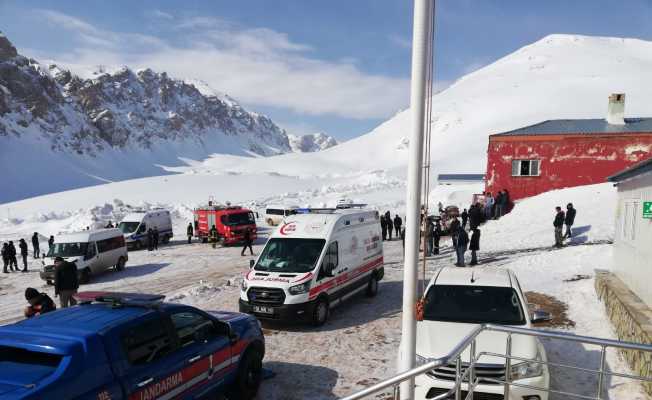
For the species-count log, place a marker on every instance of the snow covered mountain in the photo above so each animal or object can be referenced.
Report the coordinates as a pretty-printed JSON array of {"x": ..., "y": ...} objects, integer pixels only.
[
  {"x": 311, "y": 143},
  {"x": 116, "y": 125}
]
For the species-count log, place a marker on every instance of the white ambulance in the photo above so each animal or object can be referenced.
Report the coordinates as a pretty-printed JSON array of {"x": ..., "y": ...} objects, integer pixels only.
[{"x": 312, "y": 262}]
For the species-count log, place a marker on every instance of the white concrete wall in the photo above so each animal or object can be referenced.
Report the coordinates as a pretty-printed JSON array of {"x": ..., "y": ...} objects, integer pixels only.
[{"x": 633, "y": 238}]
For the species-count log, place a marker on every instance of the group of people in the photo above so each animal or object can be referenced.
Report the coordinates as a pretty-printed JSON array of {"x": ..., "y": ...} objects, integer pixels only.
[
  {"x": 564, "y": 218},
  {"x": 389, "y": 226},
  {"x": 213, "y": 238},
  {"x": 496, "y": 207},
  {"x": 66, "y": 284},
  {"x": 10, "y": 253}
]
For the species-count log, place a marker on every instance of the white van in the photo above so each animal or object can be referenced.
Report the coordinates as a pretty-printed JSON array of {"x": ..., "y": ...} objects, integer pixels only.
[
  {"x": 92, "y": 251},
  {"x": 134, "y": 226},
  {"x": 276, "y": 214},
  {"x": 313, "y": 262}
]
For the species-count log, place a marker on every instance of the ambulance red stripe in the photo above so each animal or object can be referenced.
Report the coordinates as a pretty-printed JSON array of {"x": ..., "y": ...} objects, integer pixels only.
[{"x": 345, "y": 277}]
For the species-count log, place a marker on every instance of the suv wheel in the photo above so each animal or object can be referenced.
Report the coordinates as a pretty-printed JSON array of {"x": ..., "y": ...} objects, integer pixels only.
[
  {"x": 372, "y": 286},
  {"x": 85, "y": 276},
  {"x": 121, "y": 264},
  {"x": 320, "y": 313},
  {"x": 248, "y": 378}
]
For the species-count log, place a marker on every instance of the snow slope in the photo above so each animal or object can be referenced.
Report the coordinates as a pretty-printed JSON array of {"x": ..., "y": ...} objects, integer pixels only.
[{"x": 559, "y": 76}]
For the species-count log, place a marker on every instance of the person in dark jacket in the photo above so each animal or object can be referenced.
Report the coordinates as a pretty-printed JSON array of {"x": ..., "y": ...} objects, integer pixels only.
[
  {"x": 474, "y": 246},
  {"x": 189, "y": 232},
  {"x": 436, "y": 236},
  {"x": 247, "y": 242},
  {"x": 429, "y": 237},
  {"x": 23, "y": 253},
  {"x": 390, "y": 227},
  {"x": 569, "y": 220},
  {"x": 36, "y": 245},
  {"x": 453, "y": 227},
  {"x": 212, "y": 235},
  {"x": 475, "y": 215},
  {"x": 13, "y": 261},
  {"x": 465, "y": 217},
  {"x": 66, "y": 282},
  {"x": 462, "y": 243},
  {"x": 39, "y": 303},
  {"x": 397, "y": 225},
  {"x": 155, "y": 238},
  {"x": 5, "y": 257},
  {"x": 383, "y": 226},
  {"x": 50, "y": 242},
  {"x": 558, "y": 223},
  {"x": 150, "y": 239}
]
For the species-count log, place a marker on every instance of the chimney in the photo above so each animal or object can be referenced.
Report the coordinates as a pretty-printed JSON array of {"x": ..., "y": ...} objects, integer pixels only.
[{"x": 616, "y": 110}]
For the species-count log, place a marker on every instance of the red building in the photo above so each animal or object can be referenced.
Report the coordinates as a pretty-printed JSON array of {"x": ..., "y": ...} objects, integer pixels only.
[{"x": 557, "y": 154}]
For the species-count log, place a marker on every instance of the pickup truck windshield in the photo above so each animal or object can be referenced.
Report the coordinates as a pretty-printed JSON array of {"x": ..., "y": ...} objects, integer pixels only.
[
  {"x": 128, "y": 227},
  {"x": 290, "y": 255},
  {"x": 68, "y": 250},
  {"x": 474, "y": 305},
  {"x": 26, "y": 367},
  {"x": 246, "y": 218}
]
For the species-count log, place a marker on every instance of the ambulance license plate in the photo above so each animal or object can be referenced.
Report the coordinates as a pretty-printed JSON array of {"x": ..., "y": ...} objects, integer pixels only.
[{"x": 263, "y": 310}]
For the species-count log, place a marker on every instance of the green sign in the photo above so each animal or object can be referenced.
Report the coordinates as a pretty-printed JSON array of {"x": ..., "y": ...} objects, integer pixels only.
[{"x": 647, "y": 209}]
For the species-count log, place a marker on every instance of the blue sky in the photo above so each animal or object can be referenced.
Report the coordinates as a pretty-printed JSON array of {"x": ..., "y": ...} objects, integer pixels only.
[{"x": 338, "y": 66}]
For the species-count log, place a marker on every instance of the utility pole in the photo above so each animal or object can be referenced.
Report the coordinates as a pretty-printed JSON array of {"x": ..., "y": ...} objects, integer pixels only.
[{"x": 423, "y": 13}]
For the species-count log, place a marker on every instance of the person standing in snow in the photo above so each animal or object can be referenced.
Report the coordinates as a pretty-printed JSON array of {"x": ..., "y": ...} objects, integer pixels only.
[
  {"x": 13, "y": 261},
  {"x": 23, "y": 253},
  {"x": 397, "y": 225},
  {"x": 429, "y": 236},
  {"x": 247, "y": 242},
  {"x": 390, "y": 226},
  {"x": 474, "y": 246},
  {"x": 66, "y": 282},
  {"x": 436, "y": 236},
  {"x": 452, "y": 228},
  {"x": 558, "y": 223},
  {"x": 150, "y": 239},
  {"x": 189, "y": 231},
  {"x": 5, "y": 257},
  {"x": 465, "y": 217},
  {"x": 212, "y": 234},
  {"x": 35, "y": 245},
  {"x": 475, "y": 216},
  {"x": 498, "y": 203},
  {"x": 569, "y": 220},
  {"x": 461, "y": 245},
  {"x": 488, "y": 206},
  {"x": 155, "y": 237},
  {"x": 50, "y": 242},
  {"x": 383, "y": 227}
]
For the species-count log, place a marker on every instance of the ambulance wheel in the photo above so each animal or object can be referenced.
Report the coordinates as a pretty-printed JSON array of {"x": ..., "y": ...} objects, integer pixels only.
[
  {"x": 248, "y": 378},
  {"x": 320, "y": 313},
  {"x": 372, "y": 286},
  {"x": 166, "y": 239}
]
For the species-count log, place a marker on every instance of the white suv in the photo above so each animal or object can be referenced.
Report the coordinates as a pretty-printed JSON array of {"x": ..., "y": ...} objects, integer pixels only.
[{"x": 457, "y": 301}]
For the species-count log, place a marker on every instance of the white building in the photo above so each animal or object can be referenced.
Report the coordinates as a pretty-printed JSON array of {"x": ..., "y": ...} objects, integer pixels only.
[{"x": 633, "y": 238}]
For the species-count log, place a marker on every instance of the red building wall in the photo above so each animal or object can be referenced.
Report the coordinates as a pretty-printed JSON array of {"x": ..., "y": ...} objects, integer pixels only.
[{"x": 565, "y": 160}]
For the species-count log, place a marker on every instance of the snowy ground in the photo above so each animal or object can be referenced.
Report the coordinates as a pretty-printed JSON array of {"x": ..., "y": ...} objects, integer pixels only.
[{"x": 359, "y": 344}]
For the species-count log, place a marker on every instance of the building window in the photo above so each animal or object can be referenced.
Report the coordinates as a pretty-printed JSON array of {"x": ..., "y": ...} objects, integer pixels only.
[{"x": 525, "y": 167}]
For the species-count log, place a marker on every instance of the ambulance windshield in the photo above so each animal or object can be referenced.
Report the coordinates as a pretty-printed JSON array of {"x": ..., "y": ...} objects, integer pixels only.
[{"x": 290, "y": 255}]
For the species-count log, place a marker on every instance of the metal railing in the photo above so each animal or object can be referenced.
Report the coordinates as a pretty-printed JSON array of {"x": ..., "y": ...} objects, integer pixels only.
[{"x": 469, "y": 377}]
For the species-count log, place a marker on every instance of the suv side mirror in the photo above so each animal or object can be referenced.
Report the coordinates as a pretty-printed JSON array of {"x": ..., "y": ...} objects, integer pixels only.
[
  {"x": 251, "y": 264},
  {"x": 540, "y": 316}
]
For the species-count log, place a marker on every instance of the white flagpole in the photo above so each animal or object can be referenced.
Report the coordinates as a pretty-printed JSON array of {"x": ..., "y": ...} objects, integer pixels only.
[{"x": 423, "y": 10}]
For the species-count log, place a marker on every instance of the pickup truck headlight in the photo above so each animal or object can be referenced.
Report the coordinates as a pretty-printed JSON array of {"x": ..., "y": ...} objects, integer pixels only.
[
  {"x": 526, "y": 370},
  {"x": 300, "y": 289}
]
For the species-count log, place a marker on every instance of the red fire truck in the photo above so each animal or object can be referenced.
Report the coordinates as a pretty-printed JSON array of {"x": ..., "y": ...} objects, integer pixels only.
[{"x": 230, "y": 221}]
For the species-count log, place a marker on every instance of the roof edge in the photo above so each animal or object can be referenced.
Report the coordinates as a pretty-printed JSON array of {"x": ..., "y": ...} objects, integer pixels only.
[{"x": 632, "y": 171}]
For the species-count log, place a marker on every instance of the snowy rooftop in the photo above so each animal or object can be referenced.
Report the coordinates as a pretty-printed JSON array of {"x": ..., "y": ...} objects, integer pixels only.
[{"x": 582, "y": 126}]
